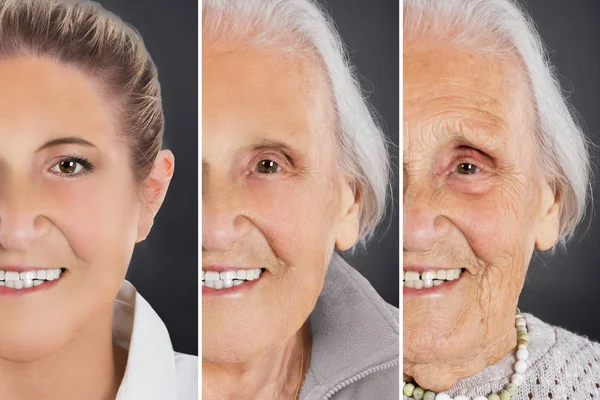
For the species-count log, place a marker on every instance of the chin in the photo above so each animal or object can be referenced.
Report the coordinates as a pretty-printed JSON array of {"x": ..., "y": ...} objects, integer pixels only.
[{"x": 20, "y": 348}]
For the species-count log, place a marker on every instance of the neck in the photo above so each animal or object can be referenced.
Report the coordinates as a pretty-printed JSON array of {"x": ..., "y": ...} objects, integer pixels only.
[
  {"x": 87, "y": 367},
  {"x": 441, "y": 376},
  {"x": 274, "y": 375}
]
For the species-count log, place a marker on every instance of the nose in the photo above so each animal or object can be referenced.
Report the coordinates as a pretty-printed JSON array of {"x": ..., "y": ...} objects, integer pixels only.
[
  {"x": 423, "y": 222},
  {"x": 21, "y": 223},
  {"x": 223, "y": 219}
]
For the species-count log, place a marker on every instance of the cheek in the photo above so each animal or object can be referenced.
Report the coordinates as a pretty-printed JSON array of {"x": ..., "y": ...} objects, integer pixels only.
[
  {"x": 95, "y": 214},
  {"x": 297, "y": 217},
  {"x": 497, "y": 224}
]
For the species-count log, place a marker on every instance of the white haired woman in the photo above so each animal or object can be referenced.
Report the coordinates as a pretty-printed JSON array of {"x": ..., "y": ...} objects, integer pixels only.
[
  {"x": 494, "y": 167},
  {"x": 294, "y": 165},
  {"x": 82, "y": 176}
]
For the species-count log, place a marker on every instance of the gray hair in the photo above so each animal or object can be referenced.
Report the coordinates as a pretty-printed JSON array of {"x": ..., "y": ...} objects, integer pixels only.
[
  {"x": 503, "y": 28},
  {"x": 302, "y": 28}
]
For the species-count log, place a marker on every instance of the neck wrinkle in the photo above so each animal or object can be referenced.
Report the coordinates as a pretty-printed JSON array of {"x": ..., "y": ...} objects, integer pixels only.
[{"x": 442, "y": 376}]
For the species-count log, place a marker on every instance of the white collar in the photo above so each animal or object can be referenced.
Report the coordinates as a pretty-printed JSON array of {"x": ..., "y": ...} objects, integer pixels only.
[{"x": 150, "y": 373}]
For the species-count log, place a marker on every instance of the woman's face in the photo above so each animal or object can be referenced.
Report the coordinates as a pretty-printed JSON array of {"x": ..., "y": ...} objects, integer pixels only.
[
  {"x": 474, "y": 199},
  {"x": 67, "y": 200},
  {"x": 272, "y": 197}
]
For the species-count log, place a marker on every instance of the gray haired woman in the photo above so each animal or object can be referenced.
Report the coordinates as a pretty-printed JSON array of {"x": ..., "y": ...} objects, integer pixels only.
[
  {"x": 494, "y": 167},
  {"x": 294, "y": 165}
]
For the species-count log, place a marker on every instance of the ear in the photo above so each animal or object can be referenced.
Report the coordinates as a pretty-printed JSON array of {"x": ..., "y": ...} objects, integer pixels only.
[
  {"x": 348, "y": 224},
  {"x": 155, "y": 190},
  {"x": 549, "y": 222}
]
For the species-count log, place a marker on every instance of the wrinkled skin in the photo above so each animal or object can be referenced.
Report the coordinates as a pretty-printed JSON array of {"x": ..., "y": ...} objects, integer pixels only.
[
  {"x": 462, "y": 107},
  {"x": 258, "y": 105}
]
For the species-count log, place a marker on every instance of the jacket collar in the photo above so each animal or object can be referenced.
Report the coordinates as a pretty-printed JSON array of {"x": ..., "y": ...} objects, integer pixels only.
[
  {"x": 150, "y": 373},
  {"x": 352, "y": 327}
]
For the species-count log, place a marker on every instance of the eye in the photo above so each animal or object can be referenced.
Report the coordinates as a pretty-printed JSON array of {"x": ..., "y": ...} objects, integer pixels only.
[
  {"x": 72, "y": 166},
  {"x": 267, "y": 167},
  {"x": 467, "y": 169}
]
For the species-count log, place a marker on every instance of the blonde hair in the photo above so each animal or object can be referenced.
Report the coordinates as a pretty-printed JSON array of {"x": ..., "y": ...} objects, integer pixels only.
[{"x": 104, "y": 48}]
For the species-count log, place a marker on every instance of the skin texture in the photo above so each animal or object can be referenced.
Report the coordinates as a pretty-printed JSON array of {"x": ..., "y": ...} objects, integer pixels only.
[
  {"x": 86, "y": 222},
  {"x": 258, "y": 105},
  {"x": 462, "y": 107}
]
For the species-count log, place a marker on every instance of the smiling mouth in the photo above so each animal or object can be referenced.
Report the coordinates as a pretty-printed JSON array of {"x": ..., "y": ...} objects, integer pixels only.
[
  {"x": 229, "y": 279},
  {"x": 429, "y": 279},
  {"x": 28, "y": 279}
]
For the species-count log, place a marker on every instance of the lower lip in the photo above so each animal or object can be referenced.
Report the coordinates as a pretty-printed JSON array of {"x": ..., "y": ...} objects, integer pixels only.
[
  {"x": 432, "y": 291},
  {"x": 235, "y": 290},
  {"x": 6, "y": 291}
]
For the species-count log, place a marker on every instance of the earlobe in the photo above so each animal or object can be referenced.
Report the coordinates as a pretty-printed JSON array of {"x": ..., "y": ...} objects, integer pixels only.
[
  {"x": 549, "y": 224},
  {"x": 155, "y": 190},
  {"x": 349, "y": 223}
]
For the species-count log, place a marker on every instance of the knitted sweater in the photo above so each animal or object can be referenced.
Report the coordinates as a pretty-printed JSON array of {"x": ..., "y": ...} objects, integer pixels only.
[{"x": 561, "y": 366}]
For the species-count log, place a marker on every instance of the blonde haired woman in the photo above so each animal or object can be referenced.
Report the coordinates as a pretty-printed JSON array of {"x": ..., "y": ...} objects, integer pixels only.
[{"x": 82, "y": 176}]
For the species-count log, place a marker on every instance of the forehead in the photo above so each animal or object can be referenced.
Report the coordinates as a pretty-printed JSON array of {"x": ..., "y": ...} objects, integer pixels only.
[
  {"x": 41, "y": 97},
  {"x": 260, "y": 91},
  {"x": 459, "y": 94}
]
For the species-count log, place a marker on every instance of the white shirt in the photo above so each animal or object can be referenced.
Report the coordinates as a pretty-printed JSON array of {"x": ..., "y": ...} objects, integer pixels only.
[{"x": 154, "y": 370}]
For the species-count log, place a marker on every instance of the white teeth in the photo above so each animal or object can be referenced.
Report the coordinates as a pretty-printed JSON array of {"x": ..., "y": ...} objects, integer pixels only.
[
  {"x": 427, "y": 275},
  {"x": 241, "y": 274},
  {"x": 411, "y": 276},
  {"x": 227, "y": 275},
  {"x": 429, "y": 279},
  {"x": 11, "y": 276},
  {"x": 228, "y": 279},
  {"x": 28, "y": 279},
  {"x": 211, "y": 276},
  {"x": 27, "y": 275}
]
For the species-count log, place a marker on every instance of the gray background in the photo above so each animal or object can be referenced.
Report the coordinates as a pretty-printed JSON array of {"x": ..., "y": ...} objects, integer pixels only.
[
  {"x": 164, "y": 268},
  {"x": 370, "y": 30},
  {"x": 564, "y": 289}
]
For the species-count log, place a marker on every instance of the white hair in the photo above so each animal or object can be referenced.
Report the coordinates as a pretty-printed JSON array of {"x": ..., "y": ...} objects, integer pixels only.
[
  {"x": 301, "y": 28},
  {"x": 502, "y": 28}
]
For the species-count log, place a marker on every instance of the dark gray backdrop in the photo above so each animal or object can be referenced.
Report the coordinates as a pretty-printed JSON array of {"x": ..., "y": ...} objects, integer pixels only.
[
  {"x": 564, "y": 289},
  {"x": 370, "y": 30},
  {"x": 164, "y": 268}
]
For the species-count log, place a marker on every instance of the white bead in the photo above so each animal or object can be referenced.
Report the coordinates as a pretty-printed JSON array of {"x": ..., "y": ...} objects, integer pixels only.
[
  {"x": 522, "y": 346},
  {"x": 461, "y": 398},
  {"x": 520, "y": 322},
  {"x": 520, "y": 367},
  {"x": 522, "y": 354},
  {"x": 517, "y": 379},
  {"x": 443, "y": 396},
  {"x": 480, "y": 398}
]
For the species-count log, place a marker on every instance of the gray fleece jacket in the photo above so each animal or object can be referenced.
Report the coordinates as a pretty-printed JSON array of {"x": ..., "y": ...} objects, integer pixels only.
[{"x": 355, "y": 341}]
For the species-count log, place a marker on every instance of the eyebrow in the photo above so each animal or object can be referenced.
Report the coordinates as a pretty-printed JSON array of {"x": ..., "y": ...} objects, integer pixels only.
[{"x": 66, "y": 140}]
